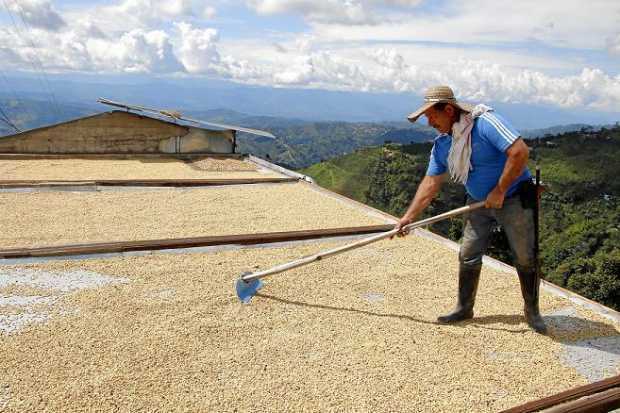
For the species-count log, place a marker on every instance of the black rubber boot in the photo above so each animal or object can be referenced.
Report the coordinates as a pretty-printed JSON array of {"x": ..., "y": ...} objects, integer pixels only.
[
  {"x": 530, "y": 284},
  {"x": 468, "y": 285}
]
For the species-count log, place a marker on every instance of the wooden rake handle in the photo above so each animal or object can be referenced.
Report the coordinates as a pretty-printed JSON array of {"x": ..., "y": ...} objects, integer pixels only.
[{"x": 320, "y": 255}]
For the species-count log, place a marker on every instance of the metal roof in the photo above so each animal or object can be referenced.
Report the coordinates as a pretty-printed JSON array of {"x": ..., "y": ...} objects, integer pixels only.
[
  {"x": 169, "y": 117},
  {"x": 177, "y": 117}
]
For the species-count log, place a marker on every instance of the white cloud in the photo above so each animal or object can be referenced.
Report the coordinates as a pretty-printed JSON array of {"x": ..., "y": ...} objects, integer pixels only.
[
  {"x": 280, "y": 48},
  {"x": 54, "y": 50},
  {"x": 404, "y": 3},
  {"x": 153, "y": 36},
  {"x": 558, "y": 23},
  {"x": 7, "y": 55},
  {"x": 197, "y": 48},
  {"x": 326, "y": 11},
  {"x": 347, "y": 12},
  {"x": 197, "y": 51},
  {"x": 613, "y": 45},
  {"x": 87, "y": 29},
  {"x": 37, "y": 13},
  {"x": 171, "y": 7},
  {"x": 321, "y": 69},
  {"x": 481, "y": 81},
  {"x": 208, "y": 13},
  {"x": 385, "y": 70},
  {"x": 244, "y": 71},
  {"x": 302, "y": 44},
  {"x": 137, "y": 51},
  {"x": 155, "y": 10},
  {"x": 126, "y": 15}
]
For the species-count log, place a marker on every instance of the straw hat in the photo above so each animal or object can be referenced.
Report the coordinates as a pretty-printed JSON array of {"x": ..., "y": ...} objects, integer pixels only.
[{"x": 438, "y": 94}]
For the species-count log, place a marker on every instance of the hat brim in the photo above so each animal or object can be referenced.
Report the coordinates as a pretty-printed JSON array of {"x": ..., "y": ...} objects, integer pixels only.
[{"x": 415, "y": 115}]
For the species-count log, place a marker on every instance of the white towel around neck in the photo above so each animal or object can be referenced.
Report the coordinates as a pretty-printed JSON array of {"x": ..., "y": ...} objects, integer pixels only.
[{"x": 459, "y": 158}]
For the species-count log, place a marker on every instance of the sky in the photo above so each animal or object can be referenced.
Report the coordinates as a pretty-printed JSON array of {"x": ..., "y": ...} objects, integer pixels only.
[{"x": 564, "y": 54}]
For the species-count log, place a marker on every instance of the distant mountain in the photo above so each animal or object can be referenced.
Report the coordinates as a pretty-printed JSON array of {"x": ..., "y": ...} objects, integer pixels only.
[
  {"x": 200, "y": 94},
  {"x": 556, "y": 130},
  {"x": 242, "y": 119},
  {"x": 32, "y": 113},
  {"x": 408, "y": 135},
  {"x": 300, "y": 142},
  {"x": 303, "y": 144}
]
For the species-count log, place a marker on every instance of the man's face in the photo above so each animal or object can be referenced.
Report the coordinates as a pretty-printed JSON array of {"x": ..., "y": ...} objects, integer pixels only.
[{"x": 441, "y": 120}]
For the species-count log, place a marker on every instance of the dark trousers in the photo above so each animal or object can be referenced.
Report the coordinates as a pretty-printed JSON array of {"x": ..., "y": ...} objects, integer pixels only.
[{"x": 518, "y": 224}]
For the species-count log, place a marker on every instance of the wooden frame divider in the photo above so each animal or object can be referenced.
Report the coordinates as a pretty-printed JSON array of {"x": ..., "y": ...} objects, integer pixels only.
[
  {"x": 574, "y": 394},
  {"x": 175, "y": 243},
  {"x": 10, "y": 184}
]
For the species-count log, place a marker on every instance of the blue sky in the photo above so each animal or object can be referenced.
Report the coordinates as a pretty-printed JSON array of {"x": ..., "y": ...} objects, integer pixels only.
[{"x": 556, "y": 53}]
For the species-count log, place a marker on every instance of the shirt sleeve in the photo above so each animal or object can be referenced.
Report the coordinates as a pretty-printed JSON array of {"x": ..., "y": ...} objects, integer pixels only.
[
  {"x": 498, "y": 131},
  {"x": 437, "y": 163}
]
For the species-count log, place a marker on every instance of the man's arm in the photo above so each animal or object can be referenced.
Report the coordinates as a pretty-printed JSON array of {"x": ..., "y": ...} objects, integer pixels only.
[
  {"x": 428, "y": 189},
  {"x": 518, "y": 155}
]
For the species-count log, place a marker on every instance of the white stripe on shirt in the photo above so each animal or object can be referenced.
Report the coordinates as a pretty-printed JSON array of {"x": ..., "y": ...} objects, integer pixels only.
[
  {"x": 504, "y": 127},
  {"x": 500, "y": 128},
  {"x": 507, "y": 134}
]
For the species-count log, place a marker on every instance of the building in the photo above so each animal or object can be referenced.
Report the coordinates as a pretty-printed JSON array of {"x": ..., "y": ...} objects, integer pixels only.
[
  {"x": 119, "y": 132},
  {"x": 117, "y": 267}
]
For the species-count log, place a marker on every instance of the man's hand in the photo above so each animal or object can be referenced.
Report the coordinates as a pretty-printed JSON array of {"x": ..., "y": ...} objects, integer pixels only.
[
  {"x": 423, "y": 196},
  {"x": 495, "y": 199},
  {"x": 404, "y": 221},
  {"x": 518, "y": 154}
]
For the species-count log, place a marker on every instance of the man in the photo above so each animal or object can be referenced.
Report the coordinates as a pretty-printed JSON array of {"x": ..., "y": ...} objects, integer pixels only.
[{"x": 480, "y": 149}]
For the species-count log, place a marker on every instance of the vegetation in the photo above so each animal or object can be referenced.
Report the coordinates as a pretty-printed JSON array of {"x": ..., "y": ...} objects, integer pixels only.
[
  {"x": 305, "y": 143},
  {"x": 348, "y": 174},
  {"x": 580, "y": 222}
]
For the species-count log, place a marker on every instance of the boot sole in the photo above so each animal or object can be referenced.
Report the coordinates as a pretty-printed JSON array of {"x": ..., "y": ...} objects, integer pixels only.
[{"x": 454, "y": 319}]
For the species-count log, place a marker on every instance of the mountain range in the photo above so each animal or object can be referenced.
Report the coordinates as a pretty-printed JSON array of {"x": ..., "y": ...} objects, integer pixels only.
[
  {"x": 300, "y": 142},
  {"x": 202, "y": 94}
]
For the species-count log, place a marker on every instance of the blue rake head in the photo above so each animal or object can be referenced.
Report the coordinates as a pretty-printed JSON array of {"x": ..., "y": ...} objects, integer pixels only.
[{"x": 247, "y": 289}]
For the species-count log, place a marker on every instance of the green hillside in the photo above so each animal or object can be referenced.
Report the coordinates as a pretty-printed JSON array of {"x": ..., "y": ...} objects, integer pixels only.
[
  {"x": 303, "y": 144},
  {"x": 580, "y": 224},
  {"x": 348, "y": 174}
]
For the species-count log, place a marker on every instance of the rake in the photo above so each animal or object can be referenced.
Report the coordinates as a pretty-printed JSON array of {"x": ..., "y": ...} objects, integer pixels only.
[{"x": 248, "y": 284}]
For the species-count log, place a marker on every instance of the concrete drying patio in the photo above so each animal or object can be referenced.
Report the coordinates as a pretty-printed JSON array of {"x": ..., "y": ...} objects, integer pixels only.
[
  {"x": 129, "y": 167},
  {"x": 36, "y": 219},
  {"x": 353, "y": 333}
]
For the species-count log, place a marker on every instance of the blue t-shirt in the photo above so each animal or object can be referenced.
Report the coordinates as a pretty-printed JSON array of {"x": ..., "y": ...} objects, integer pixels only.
[{"x": 491, "y": 136}]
